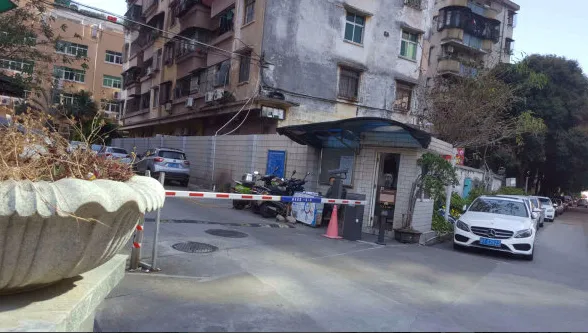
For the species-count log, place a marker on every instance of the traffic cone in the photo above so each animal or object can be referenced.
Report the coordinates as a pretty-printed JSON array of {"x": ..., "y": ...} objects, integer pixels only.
[{"x": 333, "y": 228}]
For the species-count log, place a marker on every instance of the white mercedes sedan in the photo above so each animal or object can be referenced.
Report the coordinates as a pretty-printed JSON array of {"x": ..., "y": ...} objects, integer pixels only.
[{"x": 497, "y": 223}]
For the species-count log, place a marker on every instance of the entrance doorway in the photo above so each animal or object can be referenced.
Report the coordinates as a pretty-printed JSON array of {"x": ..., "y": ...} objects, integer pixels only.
[{"x": 387, "y": 182}]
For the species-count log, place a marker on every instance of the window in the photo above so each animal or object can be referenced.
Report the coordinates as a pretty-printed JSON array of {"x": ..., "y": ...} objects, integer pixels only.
[
  {"x": 354, "y": 28},
  {"x": 223, "y": 71},
  {"x": 73, "y": 49},
  {"x": 63, "y": 99},
  {"x": 69, "y": 74},
  {"x": 348, "y": 83},
  {"x": 225, "y": 23},
  {"x": 403, "y": 99},
  {"x": 409, "y": 45},
  {"x": 110, "y": 106},
  {"x": 249, "y": 11},
  {"x": 165, "y": 91},
  {"x": 175, "y": 10},
  {"x": 512, "y": 19},
  {"x": 112, "y": 81},
  {"x": 113, "y": 57},
  {"x": 182, "y": 87},
  {"x": 336, "y": 159},
  {"x": 145, "y": 99},
  {"x": 168, "y": 53},
  {"x": 17, "y": 65},
  {"x": 155, "y": 97},
  {"x": 472, "y": 41},
  {"x": 244, "y": 65},
  {"x": 509, "y": 46},
  {"x": 195, "y": 83}
]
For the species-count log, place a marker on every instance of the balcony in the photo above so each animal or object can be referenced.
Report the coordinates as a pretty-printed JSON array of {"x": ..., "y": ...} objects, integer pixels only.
[
  {"x": 465, "y": 19},
  {"x": 149, "y": 7},
  {"x": 134, "y": 13},
  {"x": 186, "y": 5},
  {"x": 485, "y": 11},
  {"x": 459, "y": 38},
  {"x": 225, "y": 23},
  {"x": 131, "y": 76},
  {"x": 452, "y": 66}
]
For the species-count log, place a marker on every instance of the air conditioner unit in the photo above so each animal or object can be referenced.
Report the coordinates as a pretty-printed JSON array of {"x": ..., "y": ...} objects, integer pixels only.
[
  {"x": 209, "y": 97},
  {"x": 116, "y": 95},
  {"x": 218, "y": 94},
  {"x": 149, "y": 70},
  {"x": 4, "y": 100},
  {"x": 168, "y": 107},
  {"x": 95, "y": 29},
  {"x": 190, "y": 102}
]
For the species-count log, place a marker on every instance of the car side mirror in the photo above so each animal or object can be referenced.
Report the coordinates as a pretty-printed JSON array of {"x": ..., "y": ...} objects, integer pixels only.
[{"x": 535, "y": 215}]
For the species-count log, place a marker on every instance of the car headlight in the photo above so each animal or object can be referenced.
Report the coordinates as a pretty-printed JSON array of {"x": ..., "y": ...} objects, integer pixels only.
[
  {"x": 524, "y": 233},
  {"x": 461, "y": 225}
]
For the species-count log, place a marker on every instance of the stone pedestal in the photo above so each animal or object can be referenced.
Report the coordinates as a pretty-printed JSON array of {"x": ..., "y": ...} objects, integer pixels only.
[{"x": 67, "y": 306}]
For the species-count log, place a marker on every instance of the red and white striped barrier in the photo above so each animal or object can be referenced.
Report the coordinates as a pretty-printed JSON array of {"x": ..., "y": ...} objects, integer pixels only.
[{"x": 257, "y": 197}]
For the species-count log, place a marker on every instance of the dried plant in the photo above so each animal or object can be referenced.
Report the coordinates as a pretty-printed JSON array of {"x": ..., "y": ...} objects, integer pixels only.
[{"x": 30, "y": 149}]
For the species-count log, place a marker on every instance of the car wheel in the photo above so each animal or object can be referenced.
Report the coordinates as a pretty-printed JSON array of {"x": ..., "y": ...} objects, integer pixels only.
[{"x": 529, "y": 257}]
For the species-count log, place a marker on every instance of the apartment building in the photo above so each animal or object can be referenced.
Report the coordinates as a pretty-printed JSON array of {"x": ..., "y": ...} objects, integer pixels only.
[
  {"x": 95, "y": 45},
  {"x": 288, "y": 62},
  {"x": 471, "y": 34}
]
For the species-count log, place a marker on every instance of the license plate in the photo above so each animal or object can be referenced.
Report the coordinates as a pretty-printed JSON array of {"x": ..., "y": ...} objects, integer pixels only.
[
  {"x": 173, "y": 165},
  {"x": 490, "y": 242}
]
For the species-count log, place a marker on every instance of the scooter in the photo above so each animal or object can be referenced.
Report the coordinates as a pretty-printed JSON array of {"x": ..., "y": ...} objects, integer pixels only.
[
  {"x": 245, "y": 186},
  {"x": 285, "y": 188}
]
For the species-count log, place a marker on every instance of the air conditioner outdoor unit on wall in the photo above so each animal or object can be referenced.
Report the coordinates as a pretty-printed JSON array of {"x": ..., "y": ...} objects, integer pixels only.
[
  {"x": 209, "y": 97},
  {"x": 218, "y": 94},
  {"x": 4, "y": 100},
  {"x": 149, "y": 70},
  {"x": 190, "y": 102}
]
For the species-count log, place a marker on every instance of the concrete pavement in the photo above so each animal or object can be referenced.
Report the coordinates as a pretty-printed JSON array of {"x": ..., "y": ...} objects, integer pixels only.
[{"x": 293, "y": 279}]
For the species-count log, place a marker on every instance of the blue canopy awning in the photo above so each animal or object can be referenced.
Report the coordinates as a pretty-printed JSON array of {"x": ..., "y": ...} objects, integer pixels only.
[{"x": 350, "y": 132}]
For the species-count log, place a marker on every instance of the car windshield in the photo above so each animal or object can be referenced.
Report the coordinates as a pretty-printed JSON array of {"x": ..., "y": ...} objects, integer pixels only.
[
  {"x": 545, "y": 201},
  {"x": 172, "y": 155},
  {"x": 499, "y": 206},
  {"x": 118, "y": 151}
]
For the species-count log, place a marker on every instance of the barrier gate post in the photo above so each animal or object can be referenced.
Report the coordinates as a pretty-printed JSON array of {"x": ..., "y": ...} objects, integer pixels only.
[
  {"x": 156, "y": 230},
  {"x": 138, "y": 239}
]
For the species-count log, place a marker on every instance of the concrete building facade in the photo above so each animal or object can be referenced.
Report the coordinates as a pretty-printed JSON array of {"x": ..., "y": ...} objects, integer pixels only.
[
  {"x": 469, "y": 35},
  {"x": 288, "y": 62}
]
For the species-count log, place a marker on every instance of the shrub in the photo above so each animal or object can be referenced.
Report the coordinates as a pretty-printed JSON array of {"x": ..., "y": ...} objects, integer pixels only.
[{"x": 440, "y": 225}]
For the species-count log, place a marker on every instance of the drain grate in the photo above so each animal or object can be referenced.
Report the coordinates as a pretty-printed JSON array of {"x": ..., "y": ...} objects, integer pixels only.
[
  {"x": 226, "y": 233},
  {"x": 195, "y": 247}
]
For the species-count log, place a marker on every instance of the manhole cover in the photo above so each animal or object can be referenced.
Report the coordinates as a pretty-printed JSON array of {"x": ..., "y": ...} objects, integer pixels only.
[
  {"x": 226, "y": 233},
  {"x": 194, "y": 247}
]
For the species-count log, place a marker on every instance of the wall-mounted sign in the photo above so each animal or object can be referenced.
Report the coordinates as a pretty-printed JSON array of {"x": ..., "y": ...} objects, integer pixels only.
[{"x": 274, "y": 113}]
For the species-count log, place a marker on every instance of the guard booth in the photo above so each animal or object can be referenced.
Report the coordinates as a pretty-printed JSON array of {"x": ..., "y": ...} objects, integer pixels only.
[{"x": 380, "y": 156}]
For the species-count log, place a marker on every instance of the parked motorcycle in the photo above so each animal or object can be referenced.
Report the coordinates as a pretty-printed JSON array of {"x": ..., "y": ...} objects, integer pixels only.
[
  {"x": 279, "y": 187},
  {"x": 245, "y": 186}
]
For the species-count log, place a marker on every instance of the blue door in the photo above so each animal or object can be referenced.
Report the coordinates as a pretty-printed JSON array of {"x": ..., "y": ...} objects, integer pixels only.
[
  {"x": 467, "y": 187},
  {"x": 276, "y": 162}
]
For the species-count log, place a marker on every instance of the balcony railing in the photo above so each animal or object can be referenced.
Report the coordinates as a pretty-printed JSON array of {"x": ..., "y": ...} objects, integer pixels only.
[{"x": 416, "y": 4}]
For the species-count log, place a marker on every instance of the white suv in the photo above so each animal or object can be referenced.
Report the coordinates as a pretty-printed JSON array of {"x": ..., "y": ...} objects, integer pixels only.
[{"x": 497, "y": 223}]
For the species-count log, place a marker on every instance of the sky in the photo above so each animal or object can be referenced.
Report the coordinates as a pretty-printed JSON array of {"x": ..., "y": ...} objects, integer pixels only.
[{"x": 543, "y": 26}]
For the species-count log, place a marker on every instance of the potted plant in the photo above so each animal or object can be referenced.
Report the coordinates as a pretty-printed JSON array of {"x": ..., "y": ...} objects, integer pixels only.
[
  {"x": 436, "y": 173},
  {"x": 63, "y": 211}
]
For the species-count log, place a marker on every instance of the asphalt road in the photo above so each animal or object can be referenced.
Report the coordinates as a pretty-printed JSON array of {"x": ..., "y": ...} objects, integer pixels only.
[{"x": 292, "y": 279}]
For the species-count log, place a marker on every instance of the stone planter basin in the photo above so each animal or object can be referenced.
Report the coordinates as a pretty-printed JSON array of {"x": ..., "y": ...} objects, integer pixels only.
[{"x": 50, "y": 231}]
